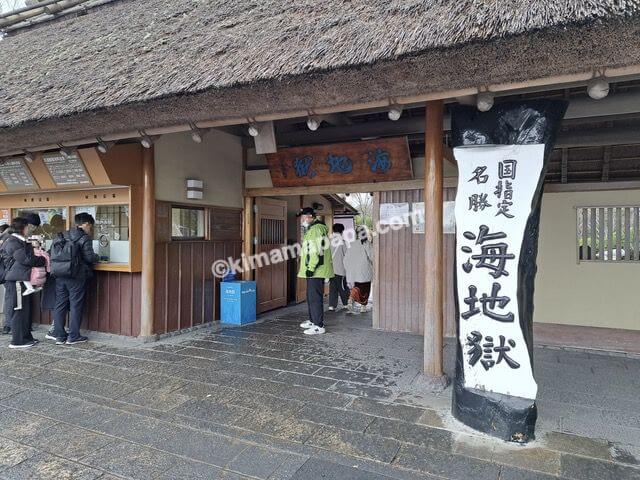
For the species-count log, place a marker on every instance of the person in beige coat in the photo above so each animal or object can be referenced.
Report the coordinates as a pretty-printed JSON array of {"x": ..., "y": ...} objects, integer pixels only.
[{"x": 358, "y": 264}]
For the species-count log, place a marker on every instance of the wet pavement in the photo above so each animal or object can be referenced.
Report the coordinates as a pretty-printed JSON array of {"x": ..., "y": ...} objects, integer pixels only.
[{"x": 266, "y": 402}]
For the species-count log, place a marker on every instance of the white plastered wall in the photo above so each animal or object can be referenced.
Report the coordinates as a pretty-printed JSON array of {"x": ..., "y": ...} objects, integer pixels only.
[
  {"x": 217, "y": 161},
  {"x": 589, "y": 293}
]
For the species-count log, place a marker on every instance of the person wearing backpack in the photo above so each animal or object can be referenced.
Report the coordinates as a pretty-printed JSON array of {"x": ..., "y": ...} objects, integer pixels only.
[
  {"x": 72, "y": 260},
  {"x": 18, "y": 260}
]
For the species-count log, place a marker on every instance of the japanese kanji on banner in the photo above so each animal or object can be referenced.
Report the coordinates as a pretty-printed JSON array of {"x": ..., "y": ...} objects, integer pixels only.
[{"x": 496, "y": 187}]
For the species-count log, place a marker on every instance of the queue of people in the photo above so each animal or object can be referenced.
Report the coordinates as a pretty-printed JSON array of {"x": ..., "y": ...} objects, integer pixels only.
[
  {"x": 347, "y": 266},
  {"x": 25, "y": 268}
]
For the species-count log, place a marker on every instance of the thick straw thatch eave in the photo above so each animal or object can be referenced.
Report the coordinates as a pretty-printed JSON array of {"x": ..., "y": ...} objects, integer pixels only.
[{"x": 154, "y": 62}]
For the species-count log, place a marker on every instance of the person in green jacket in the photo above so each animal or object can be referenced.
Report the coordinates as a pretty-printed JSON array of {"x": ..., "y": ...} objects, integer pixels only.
[{"x": 316, "y": 266}]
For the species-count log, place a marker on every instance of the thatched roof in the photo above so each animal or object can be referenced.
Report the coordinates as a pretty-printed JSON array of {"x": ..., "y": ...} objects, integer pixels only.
[{"x": 220, "y": 54}]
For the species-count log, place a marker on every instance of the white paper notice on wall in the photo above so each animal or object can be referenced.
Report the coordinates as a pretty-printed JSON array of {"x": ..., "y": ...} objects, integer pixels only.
[
  {"x": 496, "y": 186},
  {"x": 449, "y": 217},
  {"x": 394, "y": 213},
  {"x": 417, "y": 217}
]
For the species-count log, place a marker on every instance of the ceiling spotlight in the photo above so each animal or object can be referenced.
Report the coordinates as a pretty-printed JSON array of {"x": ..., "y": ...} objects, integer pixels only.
[
  {"x": 598, "y": 88},
  {"x": 29, "y": 157},
  {"x": 196, "y": 134},
  {"x": 395, "y": 112},
  {"x": 484, "y": 101},
  {"x": 66, "y": 152},
  {"x": 103, "y": 147},
  {"x": 145, "y": 140},
  {"x": 313, "y": 123},
  {"x": 253, "y": 130}
]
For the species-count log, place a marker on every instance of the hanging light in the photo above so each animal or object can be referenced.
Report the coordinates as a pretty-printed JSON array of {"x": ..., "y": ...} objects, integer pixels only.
[
  {"x": 102, "y": 147},
  {"x": 313, "y": 123},
  {"x": 484, "y": 101},
  {"x": 29, "y": 156},
  {"x": 145, "y": 140},
  {"x": 253, "y": 130},
  {"x": 196, "y": 134},
  {"x": 395, "y": 112},
  {"x": 598, "y": 88}
]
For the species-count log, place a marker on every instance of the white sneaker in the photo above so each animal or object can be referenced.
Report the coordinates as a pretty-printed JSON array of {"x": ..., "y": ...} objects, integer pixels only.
[
  {"x": 29, "y": 291},
  {"x": 314, "y": 331},
  {"x": 332, "y": 309},
  {"x": 28, "y": 345},
  {"x": 307, "y": 324}
]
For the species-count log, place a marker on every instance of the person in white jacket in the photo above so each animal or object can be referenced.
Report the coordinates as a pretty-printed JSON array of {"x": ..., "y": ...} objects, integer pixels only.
[
  {"x": 338, "y": 284},
  {"x": 358, "y": 263}
]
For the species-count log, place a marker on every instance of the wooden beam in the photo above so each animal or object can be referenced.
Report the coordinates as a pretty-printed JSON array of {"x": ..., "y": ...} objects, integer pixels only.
[
  {"x": 565, "y": 165},
  {"x": 591, "y": 186},
  {"x": 147, "y": 288},
  {"x": 247, "y": 234},
  {"x": 447, "y": 154},
  {"x": 606, "y": 163},
  {"x": 434, "y": 252},
  {"x": 415, "y": 184}
]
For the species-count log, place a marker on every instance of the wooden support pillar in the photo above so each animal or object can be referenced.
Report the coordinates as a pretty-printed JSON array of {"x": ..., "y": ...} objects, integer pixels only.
[
  {"x": 247, "y": 235},
  {"x": 434, "y": 254},
  {"x": 147, "y": 289}
]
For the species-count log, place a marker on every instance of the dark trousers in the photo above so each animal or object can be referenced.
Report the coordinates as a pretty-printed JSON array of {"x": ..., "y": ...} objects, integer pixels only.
[
  {"x": 20, "y": 319},
  {"x": 7, "y": 313},
  {"x": 70, "y": 295},
  {"x": 315, "y": 300},
  {"x": 338, "y": 288}
]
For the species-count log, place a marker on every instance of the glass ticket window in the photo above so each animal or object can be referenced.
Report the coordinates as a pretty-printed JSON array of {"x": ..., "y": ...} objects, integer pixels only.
[
  {"x": 52, "y": 221},
  {"x": 187, "y": 223},
  {"x": 110, "y": 232}
]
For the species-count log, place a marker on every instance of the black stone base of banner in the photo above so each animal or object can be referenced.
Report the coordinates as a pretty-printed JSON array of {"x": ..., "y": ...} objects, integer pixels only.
[{"x": 512, "y": 419}]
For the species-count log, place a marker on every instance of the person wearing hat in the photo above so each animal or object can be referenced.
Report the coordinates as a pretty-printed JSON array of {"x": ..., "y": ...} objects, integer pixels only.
[
  {"x": 33, "y": 222},
  {"x": 316, "y": 266}
]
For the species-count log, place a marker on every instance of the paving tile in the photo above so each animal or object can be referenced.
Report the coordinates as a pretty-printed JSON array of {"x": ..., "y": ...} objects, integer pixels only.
[
  {"x": 68, "y": 441},
  {"x": 258, "y": 462},
  {"x": 198, "y": 471},
  {"x": 346, "y": 375},
  {"x": 291, "y": 428},
  {"x": 529, "y": 458},
  {"x": 289, "y": 467},
  {"x": 388, "y": 410},
  {"x": 21, "y": 426},
  {"x": 48, "y": 467},
  {"x": 430, "y": 418},
  {"x": 449, "y": 465},
  {"x": 434, "y": 438},
  {"x": 512, "y": 473},
  {"x": 211, "y": 411},
  {"x": 305, "y": 380},
  {"x": 576, "y": 444},
  {"x": 316, "y": 468},
  {"x": 42, "y": 402},
  {"x": 319, "y": 397},
  {"x": 130, "y": 460},
  {"x": 334, "y": 417},
  {"x": 580, "y": 468},
  {"x": 370, "y": 391},
  {"x": 276, "y": 404},
  {"x": 355, "y": 444},
  {"x": 9, "y": 389},
  {"x": 153, "y": 399},
  {"x": 12, "y": 453}
]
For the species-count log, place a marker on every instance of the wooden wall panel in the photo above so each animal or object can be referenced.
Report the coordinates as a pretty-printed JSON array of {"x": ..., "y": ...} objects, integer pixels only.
[
  {"x": 186, "y": 290},
  {"x": 113, "y": 304},
  {"x": 401, "y": 273}
]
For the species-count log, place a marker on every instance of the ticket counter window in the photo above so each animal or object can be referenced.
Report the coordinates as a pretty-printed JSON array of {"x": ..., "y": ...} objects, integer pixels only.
[
  {"x": 187, "y": 223},
  {"x": 110, "y": 232},
  {"x": 52, "y": 221}
]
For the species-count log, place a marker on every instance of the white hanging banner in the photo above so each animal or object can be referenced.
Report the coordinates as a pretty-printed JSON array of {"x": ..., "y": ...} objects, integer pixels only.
[{"x": 496, "y": 187}]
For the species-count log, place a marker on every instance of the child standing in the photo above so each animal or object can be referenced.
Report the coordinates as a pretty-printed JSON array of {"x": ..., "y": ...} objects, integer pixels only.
[{"x": 38, "y": 274}]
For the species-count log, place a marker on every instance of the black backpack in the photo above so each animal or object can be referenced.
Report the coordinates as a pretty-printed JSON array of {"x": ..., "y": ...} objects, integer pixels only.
[
  {"x": 66, "y": 260},
  {"x": 6, "y": 262}
]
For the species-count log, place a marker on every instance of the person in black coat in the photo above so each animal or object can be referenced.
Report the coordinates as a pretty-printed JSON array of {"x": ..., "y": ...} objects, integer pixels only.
[
  {"x": 19, "y": 260},
  {"x": 71, "y": 291}
]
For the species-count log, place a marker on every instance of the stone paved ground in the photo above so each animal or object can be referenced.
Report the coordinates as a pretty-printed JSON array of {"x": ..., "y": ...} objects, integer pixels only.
[{"x": 266, "y": 402}]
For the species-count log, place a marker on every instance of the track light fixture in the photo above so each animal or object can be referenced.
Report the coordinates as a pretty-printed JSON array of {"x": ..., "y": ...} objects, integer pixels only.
[
  {"x": 196, "y": 133},
  {"x": 253, "y": 129},
  {"x": 395, "y": 112},
  {"x": 145, "y": 140},
  {"x": 598, "y": 88},
  {"x": 29, "y": 156},
  {"x": 313, "y": 123},
  {"x": 102, "y": 147},
  {"x": 66, "y": 152},
  {"x": 484, "y": 101}
]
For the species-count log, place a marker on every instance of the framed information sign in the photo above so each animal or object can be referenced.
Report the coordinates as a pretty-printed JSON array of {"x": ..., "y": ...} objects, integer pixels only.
[
  {"x": 67, "y": 170},
  {"x": 16, "y": 176}
]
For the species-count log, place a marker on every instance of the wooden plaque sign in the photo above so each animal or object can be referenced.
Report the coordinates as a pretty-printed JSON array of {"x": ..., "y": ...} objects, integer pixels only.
[{"x": 368, "y": 161}]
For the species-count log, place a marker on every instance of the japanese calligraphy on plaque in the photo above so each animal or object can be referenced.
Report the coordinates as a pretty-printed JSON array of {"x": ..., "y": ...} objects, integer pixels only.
[
  {"x": 496, "y": 189},
  {"x": 382, "y": 160},
  {"x": 66, "y": 170},
  {"x": 16, "y": 176}
]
